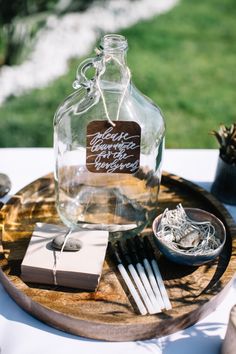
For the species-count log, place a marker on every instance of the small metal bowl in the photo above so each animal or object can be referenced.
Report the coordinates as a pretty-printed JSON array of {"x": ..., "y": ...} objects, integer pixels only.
[{"x": 181, "y": 257}]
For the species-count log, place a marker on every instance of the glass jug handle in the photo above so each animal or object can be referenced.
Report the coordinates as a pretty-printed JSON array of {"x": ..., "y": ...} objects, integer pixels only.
[{"x": 81, "y": 79}]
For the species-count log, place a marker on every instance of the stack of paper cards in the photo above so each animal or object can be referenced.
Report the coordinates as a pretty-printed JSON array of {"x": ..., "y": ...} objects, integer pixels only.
[{"x": 81, "y": 269}]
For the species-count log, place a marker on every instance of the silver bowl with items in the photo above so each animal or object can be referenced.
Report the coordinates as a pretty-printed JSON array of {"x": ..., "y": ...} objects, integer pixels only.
[{"x": 189, "y": 236}]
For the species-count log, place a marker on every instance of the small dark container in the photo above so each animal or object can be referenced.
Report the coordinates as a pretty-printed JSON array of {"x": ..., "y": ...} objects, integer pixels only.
[
  {"x": 224, "y": 185},
  {"x": 5, "y": 184},
  {"x": 179, "y": 256}
]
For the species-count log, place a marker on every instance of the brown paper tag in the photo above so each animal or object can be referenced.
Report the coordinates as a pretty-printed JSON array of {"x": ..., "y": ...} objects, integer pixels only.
[{"x": 113, "y": 149}]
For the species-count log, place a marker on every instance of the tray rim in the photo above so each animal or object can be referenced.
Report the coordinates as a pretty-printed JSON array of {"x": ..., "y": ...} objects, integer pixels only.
[{"x": 127, "y": 331}]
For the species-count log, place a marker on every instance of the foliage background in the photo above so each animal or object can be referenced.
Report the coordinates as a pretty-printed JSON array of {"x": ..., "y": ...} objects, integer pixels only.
[{"x": 183, "y": 60}]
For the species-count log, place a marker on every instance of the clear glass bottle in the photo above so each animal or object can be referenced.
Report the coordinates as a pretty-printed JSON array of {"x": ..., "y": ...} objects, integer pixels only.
[{"x": 108, "y": 141}]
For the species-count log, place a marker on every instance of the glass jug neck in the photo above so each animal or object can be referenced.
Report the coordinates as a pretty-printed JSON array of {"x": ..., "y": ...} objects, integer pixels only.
[
  {"x": 114, "y": 47},
  {"x": 115, "y": 73}
]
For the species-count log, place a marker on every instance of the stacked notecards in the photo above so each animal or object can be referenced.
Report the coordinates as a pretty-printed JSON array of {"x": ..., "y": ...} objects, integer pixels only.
[{"x": 81, "y": 269}]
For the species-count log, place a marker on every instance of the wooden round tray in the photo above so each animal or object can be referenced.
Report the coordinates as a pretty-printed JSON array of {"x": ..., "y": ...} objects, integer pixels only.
[{"x": 109, "y": 313}]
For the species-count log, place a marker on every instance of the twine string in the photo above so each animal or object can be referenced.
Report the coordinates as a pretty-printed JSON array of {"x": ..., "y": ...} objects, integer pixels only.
[
  {"x": 111, "y": 57},
  {"x": 175, "y": 225},
  {"x": 57, "y": 256}
]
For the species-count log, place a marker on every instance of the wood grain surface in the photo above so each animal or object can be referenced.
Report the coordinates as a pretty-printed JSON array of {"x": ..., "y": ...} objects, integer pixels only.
[{"x": 109, "y": 313}]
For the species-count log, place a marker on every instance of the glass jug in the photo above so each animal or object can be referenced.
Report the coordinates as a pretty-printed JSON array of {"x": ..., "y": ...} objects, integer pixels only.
[{"x": 108, "y": 141}]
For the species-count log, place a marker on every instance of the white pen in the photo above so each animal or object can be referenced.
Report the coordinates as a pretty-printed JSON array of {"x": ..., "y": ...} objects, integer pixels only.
[
  {"x": 135, "y": 276},
  {"x": 153, "y": 282},
  {"x": 127, "y": 280},
  {"x": 148, "y": 288},
  {"x": 143, "y": 276},
  {"x": 145, "y": 297},
  {"x": 132, "y": 289},
  {"x": 151, "y": 277},
  {"x": 157, "y": 273},
  {"x": 160, "y": 282}
]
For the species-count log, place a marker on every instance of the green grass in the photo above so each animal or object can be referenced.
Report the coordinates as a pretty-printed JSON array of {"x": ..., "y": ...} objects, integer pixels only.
[{"x": 184, "y": 60}]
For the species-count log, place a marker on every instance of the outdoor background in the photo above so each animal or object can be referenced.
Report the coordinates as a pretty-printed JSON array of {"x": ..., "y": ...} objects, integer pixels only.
[{"x": 184, "y": 60}]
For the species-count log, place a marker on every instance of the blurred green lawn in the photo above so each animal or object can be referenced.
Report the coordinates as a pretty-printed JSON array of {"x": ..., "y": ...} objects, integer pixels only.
[{"x": 185, "y": 61}]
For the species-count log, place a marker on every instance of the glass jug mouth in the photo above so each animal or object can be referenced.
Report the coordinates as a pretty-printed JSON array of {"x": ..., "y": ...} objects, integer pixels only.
[{"x": 112, "y": 43}]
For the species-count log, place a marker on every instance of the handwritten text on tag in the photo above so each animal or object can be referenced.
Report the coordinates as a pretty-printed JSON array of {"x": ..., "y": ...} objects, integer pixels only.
[{"x": 113, "y": 149}]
